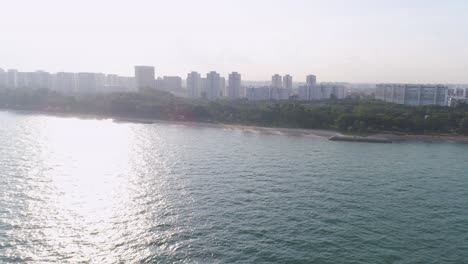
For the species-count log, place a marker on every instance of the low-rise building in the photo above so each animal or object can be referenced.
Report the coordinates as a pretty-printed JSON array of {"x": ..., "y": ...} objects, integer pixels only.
[
  {"x": 258, "y": 93},
  {"x": 279, "y": 94}
]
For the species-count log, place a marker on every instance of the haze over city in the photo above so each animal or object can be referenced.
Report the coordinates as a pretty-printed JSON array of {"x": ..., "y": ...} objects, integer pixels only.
[
  {"x": 233, "y": 131},
  {"x": 352, "y": 41}
]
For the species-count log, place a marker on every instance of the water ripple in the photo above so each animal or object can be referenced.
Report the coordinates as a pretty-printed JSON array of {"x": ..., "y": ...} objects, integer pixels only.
[{"x": 89, "y": 191}]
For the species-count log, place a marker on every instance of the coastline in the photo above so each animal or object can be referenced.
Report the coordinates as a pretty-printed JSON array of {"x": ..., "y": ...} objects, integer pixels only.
[
  {"x": 423, "y": 138},
  {"x": 322, "y": 133}
]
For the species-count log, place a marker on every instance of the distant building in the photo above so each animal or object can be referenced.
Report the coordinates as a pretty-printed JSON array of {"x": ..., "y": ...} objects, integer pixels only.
[
  {"x": 40, "y": 80},
  {"x": 234, "y": 86},
  {"x": 159, "y": 83},
  {"x": 310, "y": 90},
  {"x": 172, "y": 83},
  {"x": 276, "y": 81},
  {"x": 213, "y": 86},
  {"x": 100, "y": 81},
  {"x": 194, "y": 85},
  {"x": 279, "y": 93},
  {"x": 258, "y": 94},
  {"x": 144, "y": 77},
  {"x": 3, "y": 78},
  {"x": 65, "y": 82},
  {"x": 12, "y": 78},
  {"x": 413, "y": 94},
  {"x": 112, "y": 79},
  {"x": 87, "y": 82},
  {"x": 128, "y": 82},
  {"x": 287, "y": 82},
  {"x": 24, "y": 79},
  {"x": 222, "y": 86},
  {"x": 203, "y": 82},
  {"x": 303, "y": 93},
  {"x": 322, "y": 91},
  {"x": 311, "y": 80},
  {"x": 330, "y": 91},
  {"x": 458, "y": 92}
]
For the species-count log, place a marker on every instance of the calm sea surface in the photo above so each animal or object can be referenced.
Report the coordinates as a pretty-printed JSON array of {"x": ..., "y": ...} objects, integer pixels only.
[{"x": 95, "y": 191}]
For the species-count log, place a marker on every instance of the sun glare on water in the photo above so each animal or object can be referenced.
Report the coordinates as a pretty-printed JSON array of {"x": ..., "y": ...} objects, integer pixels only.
[{"x": 84, "y": 167}]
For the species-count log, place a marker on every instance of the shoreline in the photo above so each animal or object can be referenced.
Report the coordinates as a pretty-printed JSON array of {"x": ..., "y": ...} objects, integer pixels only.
[{"x": 322, "y": 133}]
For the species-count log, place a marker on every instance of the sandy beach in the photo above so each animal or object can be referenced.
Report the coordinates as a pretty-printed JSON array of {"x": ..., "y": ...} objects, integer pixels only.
[{"x": 258, "y": 129}]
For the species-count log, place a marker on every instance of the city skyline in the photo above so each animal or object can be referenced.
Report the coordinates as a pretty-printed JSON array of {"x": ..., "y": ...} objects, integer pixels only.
[{"x": 345, "y": 41}]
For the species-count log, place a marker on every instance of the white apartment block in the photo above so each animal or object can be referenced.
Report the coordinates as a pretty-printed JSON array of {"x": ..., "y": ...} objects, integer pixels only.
[
  {"x": 214, "y": 86},
  {"x": 413, "y": 94},
  {"x": 194, "y": 85},
  {"x": 277, "y": 81},
  {"x": 258, "y": 94},
  {"x": 144, "y": 77},
  {"x": 234, "y": 86},
  {"x": 3, "y": 78},
  {"x": 65, "y": 82},
  {"x": 287, "y": 82}
]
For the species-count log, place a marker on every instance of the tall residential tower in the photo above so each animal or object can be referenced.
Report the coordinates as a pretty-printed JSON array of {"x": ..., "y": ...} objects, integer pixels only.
[
  {"x": 276, "y": 81},
  {"x": 234, "y": 85},
  {"x": 194, "y": 85},
  {"x": 144, "y": 77},
  {"x": 287, "y": 82}
]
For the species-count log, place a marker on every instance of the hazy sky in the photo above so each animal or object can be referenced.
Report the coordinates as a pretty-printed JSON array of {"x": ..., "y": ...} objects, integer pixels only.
[{"x": 347, "y": 40}]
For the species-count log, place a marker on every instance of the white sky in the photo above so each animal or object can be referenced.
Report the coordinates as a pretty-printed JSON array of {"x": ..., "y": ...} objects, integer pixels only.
[{"x": 338, "y": 40}]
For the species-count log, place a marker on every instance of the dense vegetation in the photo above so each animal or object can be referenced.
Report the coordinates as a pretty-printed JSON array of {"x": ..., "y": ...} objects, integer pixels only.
[{"x": 353, "y": 115}]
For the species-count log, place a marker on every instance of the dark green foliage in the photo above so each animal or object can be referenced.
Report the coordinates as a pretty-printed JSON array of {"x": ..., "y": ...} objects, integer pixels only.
[
  {"x": 463, "y": 125},
  {"x": 352, "y": 115}
]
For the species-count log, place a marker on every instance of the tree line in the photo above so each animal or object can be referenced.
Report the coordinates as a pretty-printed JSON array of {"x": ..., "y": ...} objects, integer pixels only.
[{"x": 349, "y": 115}]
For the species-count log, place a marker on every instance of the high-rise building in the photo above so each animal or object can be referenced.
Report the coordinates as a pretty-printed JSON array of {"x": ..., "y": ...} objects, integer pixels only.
[
  {"x": 3, "y": 78},
  {"x": 194, "y": 85},
  {"x": 144, "y": 77},
  {"x": 100, "y": 80},
  {"x": 287, "y": 82},
  {"x": 24, "y": 79},
  {"x": 310, "y": 90},
  {"x": 12, "y": 78},
  {"x": 40, "y": 80},
  {"x": 413, "y": 94},
  {"x": 276, "y": 81},
  {"x": 311, "y": 80},
  {"x": 87, "y": 82},
  {"x": 213, "y": 86},
  {"x": 234, "y": 85},
  {"x": 65, "y": 82},
  {"x": 222, "y": 86},
  {"x": 203, "y": 85}
]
